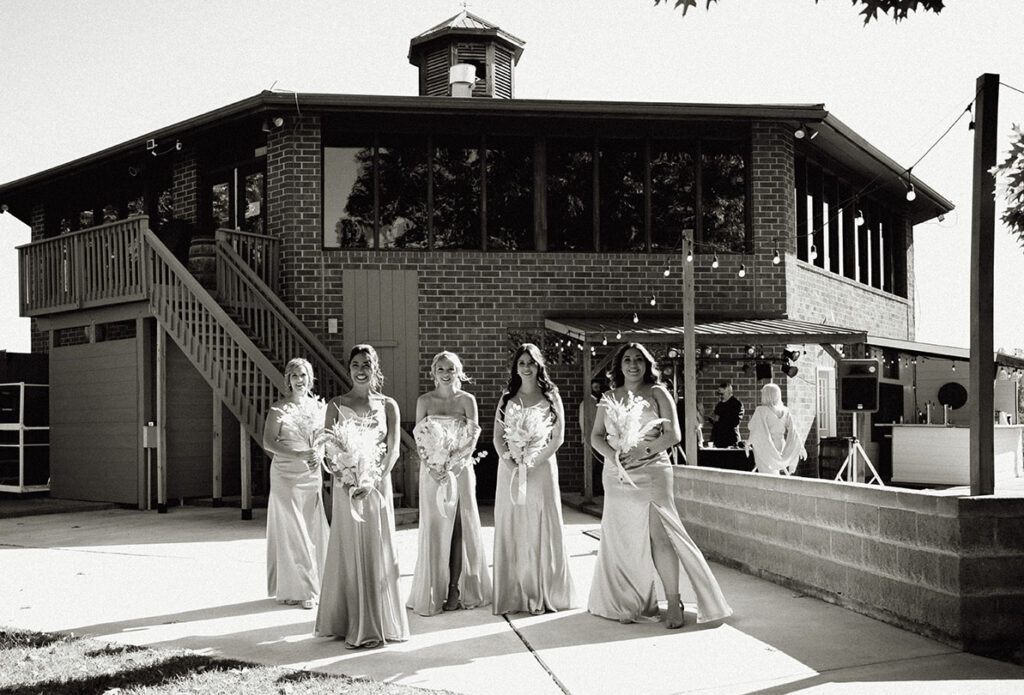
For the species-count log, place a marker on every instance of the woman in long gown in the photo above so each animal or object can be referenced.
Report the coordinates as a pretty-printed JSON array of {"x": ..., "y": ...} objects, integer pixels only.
[
  {"x": 642, "y": 538},
  {"x": 777, "y": 447},
  {"x": 296, "y": 525},
  {"x": 531, "y": 567},
  {"x": 359, "y": 601},
  {"x": 451, "y": 567}
]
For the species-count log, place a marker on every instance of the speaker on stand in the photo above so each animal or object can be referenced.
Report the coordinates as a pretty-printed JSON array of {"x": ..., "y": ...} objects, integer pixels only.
[{"x": 858, "y": 393}]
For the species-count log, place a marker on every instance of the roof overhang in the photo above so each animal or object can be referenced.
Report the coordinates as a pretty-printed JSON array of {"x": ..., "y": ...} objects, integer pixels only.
[
  {"x": 948, "y": 352},
  {"x": 668, "y": 328}
]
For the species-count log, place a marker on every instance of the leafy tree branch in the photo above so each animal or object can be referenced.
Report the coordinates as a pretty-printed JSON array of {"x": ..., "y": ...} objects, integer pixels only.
[{"x": 897, "y": 9}]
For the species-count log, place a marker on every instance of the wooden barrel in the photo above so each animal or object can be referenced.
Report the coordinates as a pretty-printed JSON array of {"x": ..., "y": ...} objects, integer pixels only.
[
  {"x": 202, "y": 261},
  {"x": 832, "y": 451}
]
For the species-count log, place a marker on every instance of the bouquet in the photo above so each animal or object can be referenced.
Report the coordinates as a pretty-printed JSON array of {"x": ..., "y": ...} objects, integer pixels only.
[
  {"x": 306, "y": 419},
  {"x": 354, "y": 455},
  {"x": 445, "y": 447},
  {"x": 622, "y": 422},
  {"x": 526, "y": 431}
]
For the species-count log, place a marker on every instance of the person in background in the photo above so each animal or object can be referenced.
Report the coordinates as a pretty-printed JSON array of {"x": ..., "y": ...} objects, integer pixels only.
[
  {"x": 725, "y": 430},
  {"x": 776, "y": 445}
]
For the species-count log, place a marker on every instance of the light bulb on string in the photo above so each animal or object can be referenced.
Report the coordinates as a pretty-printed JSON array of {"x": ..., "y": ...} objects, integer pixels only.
[
  {"x": 580, "y": 346},
  {"x": 911, "y": 193},
  {"x": 777, "y": 258},
  {"x": 813, "y": 252},
  {"x": 618, "y": 335},
  {"x": 654, "y": 300},
  {"x": 636, "y": 319},
  {"x": 954, "y": 366},
  {"x": 859, "y": 219},
  {"x": 604, "y": 340},
  {"x": 668, "y": 271},
  {"x": 743, "y": 271},
  {"x": 689, "y": 255},
  {"x": 714, "y": 262}
]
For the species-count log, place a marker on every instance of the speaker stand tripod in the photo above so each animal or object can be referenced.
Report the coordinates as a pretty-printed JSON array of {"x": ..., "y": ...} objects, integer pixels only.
[{"x": 850, "y": 463}]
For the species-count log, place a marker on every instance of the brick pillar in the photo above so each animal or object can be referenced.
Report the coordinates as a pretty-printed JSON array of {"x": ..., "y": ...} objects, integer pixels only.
[
  {"x": 40, "y": 339},
  {"x": 185, "y": 187},
  {"x": 294, "y": 211},
  {"x": 773, "y": 211}
]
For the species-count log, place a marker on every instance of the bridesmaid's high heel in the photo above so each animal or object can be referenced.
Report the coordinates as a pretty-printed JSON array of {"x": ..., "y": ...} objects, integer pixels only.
[
  {"x": 452, "y": 603},
  {"x": 674, "y": 612}
]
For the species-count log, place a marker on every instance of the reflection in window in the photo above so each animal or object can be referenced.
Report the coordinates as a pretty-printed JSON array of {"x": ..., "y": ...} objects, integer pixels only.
[
  {"x": 220, "y": 201},
  {"x": 570, "y": 195},
  {"x": 723, "y": 197},
  {"x": 510, "y": 194},
  {"x": 621, "y": 191},
  {"x": 252, "y": 212},
  {"x": 672, "y": 194},
  {"x": 86, "y": 218},
  {"x": 348, "y": 197},
  {"x": 456, "y": 194},
  {"x": 110, "y": 213},
  {"x": 402, "y": 177}
]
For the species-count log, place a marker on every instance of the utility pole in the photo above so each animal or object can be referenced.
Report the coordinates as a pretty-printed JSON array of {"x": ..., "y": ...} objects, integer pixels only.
[{"x": 983, "y": 218}]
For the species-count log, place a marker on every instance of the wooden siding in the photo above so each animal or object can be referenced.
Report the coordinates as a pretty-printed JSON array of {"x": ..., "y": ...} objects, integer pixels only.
[
  {"x": 381, "y": 307},
  {"x": 437, "y": 72},
  {"x": 501, "y": 73},
  {"x": 94, "y": 428},
  {"x": 189, "y": 428}
]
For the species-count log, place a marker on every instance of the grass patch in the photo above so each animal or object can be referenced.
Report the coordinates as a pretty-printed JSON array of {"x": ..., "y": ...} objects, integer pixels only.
[{"x": 33, "y": 663}]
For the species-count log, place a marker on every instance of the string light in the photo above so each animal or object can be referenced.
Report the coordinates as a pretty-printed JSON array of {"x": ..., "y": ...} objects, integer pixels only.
[
  {"x": 911, "y": 193},
  {"x": 667, "y": 272},
  {"x": 743, "y": 271},
  {"x": 636, "y": 319},
  {"x": 954, "y": 366},
  {"x": 654, "y": 300},
  {"x": 604, "y": 340},
  {"x": 714, "y": 262},
  {"x": 618, "y": 335},
  {"x": 814, "y": 252},
  {"x": 859, "y": 219},
  {"x": 776, "y": 259},
  {"x": 689, "y": 254}
]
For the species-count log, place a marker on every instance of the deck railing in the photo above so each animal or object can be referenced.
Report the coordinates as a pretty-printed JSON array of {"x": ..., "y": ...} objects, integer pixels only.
[
  {"x": 81, "y": 270},
  {"x": 258, "y": 251}
]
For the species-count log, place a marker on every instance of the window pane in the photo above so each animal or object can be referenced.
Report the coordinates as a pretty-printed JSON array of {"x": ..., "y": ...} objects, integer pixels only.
[
  {"x": 510, "y": 194},
  {"x": 570, "y": 195},
  {"x": 621, "y": 191},
  {"x": 456, "y": 193},
  {"x": 402, "y": 177},
  {"x": 672, "y": 194},
  {"x": 253, "y": 210},
  {"x": 723, "y": 200},
  {"x": 220, "y": 201},
  {"x": 348, "y": 197}
]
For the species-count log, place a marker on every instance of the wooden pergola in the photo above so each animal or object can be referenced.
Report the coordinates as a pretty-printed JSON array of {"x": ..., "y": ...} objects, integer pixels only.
[{"x": 671, "y": 328}]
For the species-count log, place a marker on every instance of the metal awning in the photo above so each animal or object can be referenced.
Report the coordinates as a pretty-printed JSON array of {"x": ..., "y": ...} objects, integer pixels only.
[
  {"x": 669, "y": 329},
  {"x": 948, "y": 352}
]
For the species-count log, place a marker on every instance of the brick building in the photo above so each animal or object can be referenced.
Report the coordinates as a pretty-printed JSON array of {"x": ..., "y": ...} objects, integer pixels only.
[{"x": 430, "y": 222}]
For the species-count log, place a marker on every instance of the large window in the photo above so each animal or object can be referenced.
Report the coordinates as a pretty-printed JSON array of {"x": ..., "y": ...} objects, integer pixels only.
[
  {"x": 478, "y": 192},
  {"x": 845, "y": 229}
]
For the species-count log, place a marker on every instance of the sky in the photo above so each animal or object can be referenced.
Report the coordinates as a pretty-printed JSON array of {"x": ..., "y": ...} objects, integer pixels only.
[{"x": 79, "y": 77}]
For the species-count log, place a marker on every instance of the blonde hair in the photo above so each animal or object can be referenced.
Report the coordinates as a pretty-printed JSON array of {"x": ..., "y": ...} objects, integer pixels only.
[
  {"x": 460, "y": 374},
  {"x": 295, "y": 366},
  {"x": 771, "y": 395}
]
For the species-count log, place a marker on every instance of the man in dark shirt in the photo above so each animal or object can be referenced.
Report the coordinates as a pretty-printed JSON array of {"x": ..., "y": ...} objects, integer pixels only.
[{"x": 725, "y": 432}]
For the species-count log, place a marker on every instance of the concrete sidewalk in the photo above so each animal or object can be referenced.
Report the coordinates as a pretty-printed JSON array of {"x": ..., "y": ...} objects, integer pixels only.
[{"x": 194, "y": 578}]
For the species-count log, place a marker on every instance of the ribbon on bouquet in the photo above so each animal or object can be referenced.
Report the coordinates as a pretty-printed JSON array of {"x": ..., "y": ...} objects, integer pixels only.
[
  {"x": 356, "y": 507},
  {"x": 447, "y": 494},
  {"x": 518, "y": 493},
  {"x": 621, "y": 471}
]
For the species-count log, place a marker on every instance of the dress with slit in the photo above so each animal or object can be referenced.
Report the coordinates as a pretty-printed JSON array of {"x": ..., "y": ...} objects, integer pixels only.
[
  {"x": 359, "y": 599},
  {"x": 531, "y": 566},
  {"x": 625, "y": 586},
  {"x": 430, "y": 580},
  {"x": 296, "y": 525}
]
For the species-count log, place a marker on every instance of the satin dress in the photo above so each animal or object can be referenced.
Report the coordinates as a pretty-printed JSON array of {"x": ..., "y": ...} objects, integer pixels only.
[
  {"x": 625, "y": 586},
  {"x": 359, "y": 599},
  {"x": 430, "y": 580},
  {"x": 531, "y": 566},
  {"x": 296, "y": 525},
  {"x": 774, "y": 440}
]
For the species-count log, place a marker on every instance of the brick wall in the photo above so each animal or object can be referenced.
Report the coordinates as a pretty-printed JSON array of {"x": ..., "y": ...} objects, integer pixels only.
[
  {"x": 186, "y": 186},
  {"x": 946, "y": 567},
  {"x": 38, "y": 338}
]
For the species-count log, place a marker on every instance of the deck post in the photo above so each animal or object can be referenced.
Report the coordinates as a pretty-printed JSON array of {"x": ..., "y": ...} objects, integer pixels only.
[
  {"x": 217, "y": 494},
  {"x": 245, "y": 460}
]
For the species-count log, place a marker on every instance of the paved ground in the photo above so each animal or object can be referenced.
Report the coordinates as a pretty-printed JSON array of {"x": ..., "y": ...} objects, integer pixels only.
[{"x": 194, "y": 578}]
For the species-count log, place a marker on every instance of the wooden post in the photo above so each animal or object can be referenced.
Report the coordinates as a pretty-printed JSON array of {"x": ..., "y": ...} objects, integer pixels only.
[
  {"x": 587, "y": 414},
  {"x": 246, "y": 473},
  {"x": 161, "y": 420},
  {"x": 983, "y": 215},
  {"x": 217, "y": 495},
  {"x": 689, "y": 355}
]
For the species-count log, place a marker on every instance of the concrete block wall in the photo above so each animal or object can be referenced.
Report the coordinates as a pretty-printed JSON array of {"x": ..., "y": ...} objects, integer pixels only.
[{"x": 946, "y": 567}]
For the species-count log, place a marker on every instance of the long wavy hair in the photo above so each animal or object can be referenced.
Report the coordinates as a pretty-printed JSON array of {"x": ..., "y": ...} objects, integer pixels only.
[
  {"x": 460, "y": 374},
  {"x": 652, "y": 375},
  {"x": 295, "y": 366},
  {"x": 547, "y": 387},
  {"x": 376, "y": 375}
]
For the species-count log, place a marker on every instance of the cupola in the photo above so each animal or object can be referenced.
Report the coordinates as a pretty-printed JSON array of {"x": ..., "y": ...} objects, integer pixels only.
[{"x": 463, "y": 40}]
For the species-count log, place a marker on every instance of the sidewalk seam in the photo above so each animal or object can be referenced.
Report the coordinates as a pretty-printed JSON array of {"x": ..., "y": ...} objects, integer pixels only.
[{"x": 526, "y": 643}]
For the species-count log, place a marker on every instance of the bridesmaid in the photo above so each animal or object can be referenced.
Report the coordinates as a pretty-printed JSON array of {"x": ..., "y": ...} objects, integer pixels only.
[
  {"x": 531, "y": 567},
  {"x": 641, "y": 535},
  {"x": 451, "y": 568},
  {"x": 359, "y": 600},
  {"x": 296, "y": 525}
]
